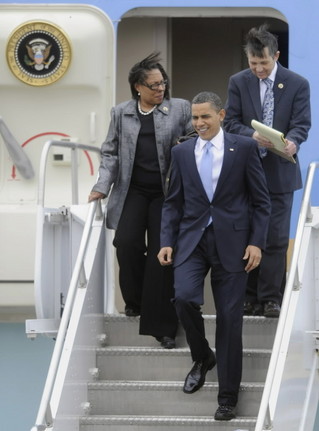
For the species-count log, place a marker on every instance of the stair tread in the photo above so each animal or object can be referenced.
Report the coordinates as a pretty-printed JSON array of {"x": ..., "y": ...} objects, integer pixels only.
[
  {"x": 206, "y": 317},
  {"x": 160, "y": 419},
  {"x": 145, "y": 385},
  {"x": 157, "y": 384},
  {"x": 180, "y": 351}
]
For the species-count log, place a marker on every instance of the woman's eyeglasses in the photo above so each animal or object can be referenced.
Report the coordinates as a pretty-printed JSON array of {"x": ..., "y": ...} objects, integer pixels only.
[{"x": 155, "y": 86}]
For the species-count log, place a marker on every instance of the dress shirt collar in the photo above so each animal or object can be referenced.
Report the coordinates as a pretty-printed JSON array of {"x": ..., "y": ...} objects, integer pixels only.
[
  {"x": 272, "y": 76},
  {"x": 217, "y": 141}
]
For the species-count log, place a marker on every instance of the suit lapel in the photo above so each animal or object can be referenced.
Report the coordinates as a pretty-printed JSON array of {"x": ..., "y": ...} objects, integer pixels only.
[
  {"x": 230, "y": 153},
  {"x": 254, "y": 91},
  {"x": 279, "y": 88},
  {"x": 280, "y": 84},
  {"x": 192, "y": 170}
]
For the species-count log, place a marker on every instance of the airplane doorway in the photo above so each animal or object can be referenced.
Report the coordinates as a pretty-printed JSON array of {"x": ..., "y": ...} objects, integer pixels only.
[
  {"x": 199, "y": 53},
  {"x": 207, "y": 51}
]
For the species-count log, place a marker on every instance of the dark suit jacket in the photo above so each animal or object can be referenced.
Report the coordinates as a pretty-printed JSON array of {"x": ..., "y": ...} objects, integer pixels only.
[
  {"x": 241, "y": 185},
  {"x": 291, "y": 116}
]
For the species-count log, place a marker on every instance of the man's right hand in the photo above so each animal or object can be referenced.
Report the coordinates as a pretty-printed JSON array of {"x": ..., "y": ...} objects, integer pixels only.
[
  {"x": 262, "y": 141},
  {"x": 93, "y": 196},
  {"x": 165, "y": 256}
]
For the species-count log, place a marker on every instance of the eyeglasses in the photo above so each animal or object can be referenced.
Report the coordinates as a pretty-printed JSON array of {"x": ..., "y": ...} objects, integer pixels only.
[{"x": 155, "y": 86}]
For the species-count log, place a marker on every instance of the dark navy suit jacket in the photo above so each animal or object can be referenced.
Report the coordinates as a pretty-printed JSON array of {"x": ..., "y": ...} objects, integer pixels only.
[
  {"x": 241, "y": 187},
  {"x": 292, "y": 117}
]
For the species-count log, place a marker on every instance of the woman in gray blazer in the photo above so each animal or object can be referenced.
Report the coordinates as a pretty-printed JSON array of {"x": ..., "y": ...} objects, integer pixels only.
[{"x": 135, "y": 160}]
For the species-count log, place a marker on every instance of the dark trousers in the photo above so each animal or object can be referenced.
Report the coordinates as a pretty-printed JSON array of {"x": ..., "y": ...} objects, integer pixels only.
[
  {"x": 266, "y": 283},
  {"x": 146, "y": 286},
  {"x": 229, "y": 293}
]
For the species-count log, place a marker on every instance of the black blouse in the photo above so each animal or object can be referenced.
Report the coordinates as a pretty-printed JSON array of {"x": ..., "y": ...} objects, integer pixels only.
[{"x": 146, "y": 170}]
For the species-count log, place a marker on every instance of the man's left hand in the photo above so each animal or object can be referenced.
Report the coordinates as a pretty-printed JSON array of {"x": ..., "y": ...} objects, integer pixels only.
[
  {"x": 290, "y": 148},
  {"x": 165, "y": 256},
  {"x": 253, "y": 257}
]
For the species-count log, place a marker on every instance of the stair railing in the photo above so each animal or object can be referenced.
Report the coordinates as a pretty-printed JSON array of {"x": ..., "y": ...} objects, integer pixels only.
[
  {"x": 74, "y": 147},
  {"x": 78, "y": 279},
  {"x": 281, "y": 341}
]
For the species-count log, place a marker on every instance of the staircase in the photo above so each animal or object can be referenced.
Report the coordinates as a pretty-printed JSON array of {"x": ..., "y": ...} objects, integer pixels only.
[
  {"x": 129, "y": 383},
  {"x": 138, "y": 385}
]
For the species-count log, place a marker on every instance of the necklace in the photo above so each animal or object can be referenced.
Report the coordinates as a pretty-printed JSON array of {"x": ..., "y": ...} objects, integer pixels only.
[{"x": 145, "y": 113}]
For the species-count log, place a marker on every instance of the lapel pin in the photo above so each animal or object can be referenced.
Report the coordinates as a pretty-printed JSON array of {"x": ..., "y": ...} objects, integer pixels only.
[
  {"x": 231, "y": 149},
  {"x": 280, "y": 86},
  {"x": 165, "y": 108}
]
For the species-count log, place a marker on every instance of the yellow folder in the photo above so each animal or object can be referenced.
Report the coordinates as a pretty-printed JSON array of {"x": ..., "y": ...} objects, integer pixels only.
[{"x": 275, "y": 137}]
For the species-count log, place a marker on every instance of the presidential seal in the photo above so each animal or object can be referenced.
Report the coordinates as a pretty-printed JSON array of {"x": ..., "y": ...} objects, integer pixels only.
[{"x": 38, "y": 53}]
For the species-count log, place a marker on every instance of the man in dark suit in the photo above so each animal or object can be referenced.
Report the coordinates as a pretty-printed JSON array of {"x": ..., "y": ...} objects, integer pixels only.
[
  {"x": 214, "y": 228},
  {"x": 291, "y": 116}
]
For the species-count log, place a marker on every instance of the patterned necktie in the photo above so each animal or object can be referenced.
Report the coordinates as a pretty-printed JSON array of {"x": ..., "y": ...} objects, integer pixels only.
[
  {"x": 268, "y": 106},
  {"x": 206, "y": 170},
  {"x": 268, "y": 110}
]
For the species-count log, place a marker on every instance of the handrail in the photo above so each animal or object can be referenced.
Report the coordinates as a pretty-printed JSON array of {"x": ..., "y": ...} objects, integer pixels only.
[
  {"x": 78, "y": 279},
  {"x": 304, "y": 216},
  {"x": 43, "y": 165}
]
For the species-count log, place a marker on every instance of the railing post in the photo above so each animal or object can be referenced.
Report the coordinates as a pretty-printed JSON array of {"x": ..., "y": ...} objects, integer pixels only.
[
  {"x": 74, "y": 172},
  {"x": 99, "y": 212}
]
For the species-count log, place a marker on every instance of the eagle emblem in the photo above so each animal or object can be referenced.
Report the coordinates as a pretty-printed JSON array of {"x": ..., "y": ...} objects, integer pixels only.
[{"x": 38, "y": 51}]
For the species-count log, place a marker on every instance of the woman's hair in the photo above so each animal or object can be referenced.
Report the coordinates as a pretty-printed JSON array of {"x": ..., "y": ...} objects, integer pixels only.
[{"x": 138, "y": 73}]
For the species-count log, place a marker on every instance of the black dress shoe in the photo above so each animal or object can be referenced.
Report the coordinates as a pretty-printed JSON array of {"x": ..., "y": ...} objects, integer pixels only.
[
  {"x": 271, "y": 309},
  {"x": 196, "y": 377},
  {"x": 130, "y": 312},
  {"x": 225, "y": 413},
  {"x": 249, "y": 309},
  {"x": 253, "y": 309},
  {"x": 167, "y": 342}
]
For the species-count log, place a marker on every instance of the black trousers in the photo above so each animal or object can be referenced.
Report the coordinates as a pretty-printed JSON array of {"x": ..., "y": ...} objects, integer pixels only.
[
  {"x": 267, "y": 282},
  {"x": 229, "y": 293},
  {"x": 146, "y": 286}
]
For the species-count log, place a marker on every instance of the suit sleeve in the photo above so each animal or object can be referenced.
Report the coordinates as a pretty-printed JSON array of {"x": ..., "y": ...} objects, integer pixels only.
[
  {"x": 234, "y": 121},
  {"x": 300, "y": 119},
  {"x": 109, "y": 165},
  {"x": 188, "y": 117},
  {"x": 172, "y": 207},
  {"x": 259, "y": 199}
]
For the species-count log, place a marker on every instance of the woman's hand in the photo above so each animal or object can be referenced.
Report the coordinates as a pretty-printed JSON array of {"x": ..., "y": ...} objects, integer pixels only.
[{"x": 93, "y": 196}]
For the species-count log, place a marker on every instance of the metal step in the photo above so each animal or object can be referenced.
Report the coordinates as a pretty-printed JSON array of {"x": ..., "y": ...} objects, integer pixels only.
[
  {"x": 139, "y": 384},
  {"x": 156, "y": 423},
  {"x": 258, "y": 332},
  {"x": 151, "y": 363},
  {"x": 165, "y": 398}
]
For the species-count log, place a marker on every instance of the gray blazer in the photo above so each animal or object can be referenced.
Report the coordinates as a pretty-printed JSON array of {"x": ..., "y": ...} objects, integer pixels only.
[{"x": 171, "y": 119}]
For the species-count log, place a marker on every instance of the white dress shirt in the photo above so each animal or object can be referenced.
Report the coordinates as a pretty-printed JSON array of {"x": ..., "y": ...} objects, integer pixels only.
[
  {"x": 217, "y": 150},
  {"x": 263, "y": 86}
]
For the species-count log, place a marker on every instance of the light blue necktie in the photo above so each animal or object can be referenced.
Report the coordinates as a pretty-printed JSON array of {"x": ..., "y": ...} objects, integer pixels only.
[
  {"x": 268, "y": 110},
  {"x": 206, "y": 170}
]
